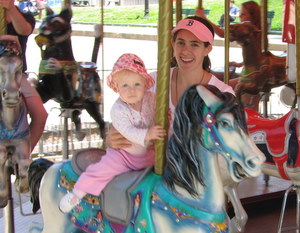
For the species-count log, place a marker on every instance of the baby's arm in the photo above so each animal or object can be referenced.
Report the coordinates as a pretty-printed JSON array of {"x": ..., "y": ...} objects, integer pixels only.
[{"x": 121, "y": 122}]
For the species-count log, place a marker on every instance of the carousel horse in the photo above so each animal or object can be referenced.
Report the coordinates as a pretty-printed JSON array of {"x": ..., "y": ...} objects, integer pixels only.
[
  {"x": 188, "y": 197},
  {"x": 14, "y": 128},
  {"x": 279, "y": 140},
  {"x": 262, "y": 71},
  {"x": 73, "y": 85}
]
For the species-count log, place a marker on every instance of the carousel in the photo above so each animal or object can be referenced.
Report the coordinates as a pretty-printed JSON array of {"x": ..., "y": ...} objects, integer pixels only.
[{"x": 200, "y": 181}]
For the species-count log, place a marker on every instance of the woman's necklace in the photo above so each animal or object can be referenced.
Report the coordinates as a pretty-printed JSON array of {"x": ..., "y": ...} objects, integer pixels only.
[{"x": 176, "y": 84}]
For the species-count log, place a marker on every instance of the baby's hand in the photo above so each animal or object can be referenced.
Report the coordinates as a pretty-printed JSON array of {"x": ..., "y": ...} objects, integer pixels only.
[{"x": 156, "y": 132}]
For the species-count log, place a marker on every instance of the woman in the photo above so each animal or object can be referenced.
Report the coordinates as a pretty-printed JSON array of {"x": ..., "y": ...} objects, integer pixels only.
[
  {"x": 250, "y": 11},
  {"x": 192, "y": 42},
  {"x": 18, "y": 24}
]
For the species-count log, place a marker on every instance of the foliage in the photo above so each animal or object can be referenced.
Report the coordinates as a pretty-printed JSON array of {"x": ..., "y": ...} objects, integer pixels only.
[{"x": 134, "y": 15}]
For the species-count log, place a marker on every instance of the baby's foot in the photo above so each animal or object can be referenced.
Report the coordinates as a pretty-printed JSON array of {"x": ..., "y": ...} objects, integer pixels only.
[{"x": 68, "y": 202}]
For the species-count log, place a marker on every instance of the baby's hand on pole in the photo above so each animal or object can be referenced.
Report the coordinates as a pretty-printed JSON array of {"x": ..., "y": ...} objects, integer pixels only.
[{"x": 156, "y": 132}]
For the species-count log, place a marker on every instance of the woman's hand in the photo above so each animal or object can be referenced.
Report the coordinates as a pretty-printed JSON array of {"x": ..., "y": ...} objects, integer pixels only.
[
  {"x": 53, "y": 64},
  {"x": 200, "y": 13},
  {"x": 236, "y": 64},
  {"x": 115, "y": 140}
]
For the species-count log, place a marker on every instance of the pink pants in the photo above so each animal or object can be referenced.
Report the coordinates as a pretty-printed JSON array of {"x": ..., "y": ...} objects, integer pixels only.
[{"x": 115, "y": 162}]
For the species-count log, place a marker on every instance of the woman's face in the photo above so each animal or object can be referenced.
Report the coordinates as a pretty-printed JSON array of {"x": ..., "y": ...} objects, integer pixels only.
[
  {"x": 189, "y": 51},
  {"x": 244, "y": 15}
]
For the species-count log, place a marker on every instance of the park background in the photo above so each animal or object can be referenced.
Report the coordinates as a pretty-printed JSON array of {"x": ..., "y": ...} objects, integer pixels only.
[{"x": 132, "y": 12}]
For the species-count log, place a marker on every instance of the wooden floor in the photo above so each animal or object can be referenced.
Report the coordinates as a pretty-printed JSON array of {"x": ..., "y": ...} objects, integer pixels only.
[{"x": 263, "y": 204}]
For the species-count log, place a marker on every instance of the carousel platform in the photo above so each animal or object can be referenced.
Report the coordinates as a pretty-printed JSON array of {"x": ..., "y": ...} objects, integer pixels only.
[{"x": 262, "y": 204}]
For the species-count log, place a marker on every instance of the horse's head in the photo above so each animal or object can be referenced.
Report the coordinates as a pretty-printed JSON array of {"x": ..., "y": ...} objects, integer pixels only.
[
  {"x": 55, "y": 28},
  {"x": 243, "y": 33},
  {"x": 10, "y": 71},
  {"x": 207, "y": 118}
]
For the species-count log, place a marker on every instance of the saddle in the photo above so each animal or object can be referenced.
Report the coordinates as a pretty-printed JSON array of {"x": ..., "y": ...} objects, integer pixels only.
[
  {"x": 119, "y": 188},
  {"x": 278, "y": 143}
]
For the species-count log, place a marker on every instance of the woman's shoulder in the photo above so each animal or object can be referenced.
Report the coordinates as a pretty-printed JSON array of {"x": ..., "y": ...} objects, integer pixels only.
[{"x": 220, "y": 85}]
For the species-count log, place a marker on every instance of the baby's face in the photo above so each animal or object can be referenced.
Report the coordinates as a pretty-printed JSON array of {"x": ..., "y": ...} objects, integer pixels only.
[{"x": 131, "y": 87}]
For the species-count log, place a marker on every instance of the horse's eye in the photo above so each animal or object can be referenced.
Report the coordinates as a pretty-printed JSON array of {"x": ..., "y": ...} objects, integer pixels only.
[{"x": 224, "y": 124}]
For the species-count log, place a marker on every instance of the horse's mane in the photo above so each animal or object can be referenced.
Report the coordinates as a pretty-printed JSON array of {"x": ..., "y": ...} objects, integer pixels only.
[{"x": 183, "y": 165}]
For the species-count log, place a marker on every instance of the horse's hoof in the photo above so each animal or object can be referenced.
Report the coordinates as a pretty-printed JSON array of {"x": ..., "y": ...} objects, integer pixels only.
[
  {"x": 80, "y": 135},
  {"x": 21, "y": 185},
  {"x": 3, "y": 202}
]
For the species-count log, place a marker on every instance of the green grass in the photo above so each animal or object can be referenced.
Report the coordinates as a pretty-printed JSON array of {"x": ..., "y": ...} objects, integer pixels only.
[{"x": 135, "y": 14}]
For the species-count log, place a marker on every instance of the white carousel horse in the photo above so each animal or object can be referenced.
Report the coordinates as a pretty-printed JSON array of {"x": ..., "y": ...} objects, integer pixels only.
[
  {"x": 14, "y": 139},
  {"x": 188, "y": 197}
]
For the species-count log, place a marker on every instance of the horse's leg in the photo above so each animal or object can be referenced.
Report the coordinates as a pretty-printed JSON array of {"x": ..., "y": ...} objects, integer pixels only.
[
  {"x": 238, "y": 222},
  {"x": 77, "y": 122},
  {"x": 92, "y": 107},
  {"x": 44, "y": 87},
  {"x": 3, "y": 176},
  {"x": 22, "y": 153},
  {"x": 54, "y": 220}
]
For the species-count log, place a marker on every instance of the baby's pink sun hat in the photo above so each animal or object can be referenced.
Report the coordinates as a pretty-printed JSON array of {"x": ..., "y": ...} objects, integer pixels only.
[{"x": 133, "y": 63}]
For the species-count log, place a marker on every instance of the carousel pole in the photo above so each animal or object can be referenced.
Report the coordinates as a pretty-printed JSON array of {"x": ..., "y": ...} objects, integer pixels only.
[
  {"x": 227, "y": 42},
  {"x": 264, "y": 25},
  {"x": 200, "y": 4},
  {"x": 9, "y": 226},
  {"x": 163, "y": 68},
  {"x": 65, "y": 149},
  {"x": 178, "y": 10}
]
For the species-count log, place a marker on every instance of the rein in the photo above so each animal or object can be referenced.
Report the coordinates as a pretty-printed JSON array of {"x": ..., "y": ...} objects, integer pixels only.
[{"x": 209, "y": 125}]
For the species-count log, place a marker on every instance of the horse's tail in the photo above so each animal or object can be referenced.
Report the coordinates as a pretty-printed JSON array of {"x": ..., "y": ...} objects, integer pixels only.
[{"x": 36, "y": 171}]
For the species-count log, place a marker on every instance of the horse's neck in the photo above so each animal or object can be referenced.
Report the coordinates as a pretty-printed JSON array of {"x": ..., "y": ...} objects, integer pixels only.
[
  {"x": 60, "y": 51},
  {"x": 10, "y": 116},
  {"x": 211, "y": 196},
  {"x": 252, "y": 55}
]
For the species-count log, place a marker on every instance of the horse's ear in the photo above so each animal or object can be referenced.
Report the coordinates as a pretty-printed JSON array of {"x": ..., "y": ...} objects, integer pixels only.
[
  {"x": 66, "y": 14},
  {"x": 207, "y": 96},
  {"x": 49, "y": 11}
]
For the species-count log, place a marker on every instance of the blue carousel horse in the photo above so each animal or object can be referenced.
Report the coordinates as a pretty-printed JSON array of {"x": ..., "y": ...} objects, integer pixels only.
[
  {"x": 73, "y": 85},
  {"x": 14, "y": 128},
  {"x": 188, "y": 197}
]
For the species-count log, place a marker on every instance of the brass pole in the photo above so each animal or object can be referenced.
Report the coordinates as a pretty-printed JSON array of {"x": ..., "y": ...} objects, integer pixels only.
[
  {"x": 2, "y": 21},
  {"x": 200, "y": 4},
  {"x": 264, "y": 25},
  {"x": 163, "y": 68},
  {"x": 178, "y": 10},
  {"x": 227, "y": 44}
]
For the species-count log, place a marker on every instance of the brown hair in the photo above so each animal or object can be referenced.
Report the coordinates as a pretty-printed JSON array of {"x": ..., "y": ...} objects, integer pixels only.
[
  {"x": 254, "y": 11},
  {"x": 206, "y": 62}
]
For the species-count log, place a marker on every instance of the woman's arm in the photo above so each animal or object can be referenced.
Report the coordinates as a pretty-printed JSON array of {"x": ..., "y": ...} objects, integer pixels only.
[
  {"x": 116, "y": 140},
  {"x": 219, "y": 31},
  {"x": 20, "y": 24},
  {"x": 38, "y": 115}
]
